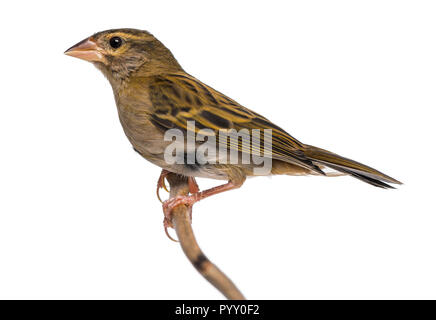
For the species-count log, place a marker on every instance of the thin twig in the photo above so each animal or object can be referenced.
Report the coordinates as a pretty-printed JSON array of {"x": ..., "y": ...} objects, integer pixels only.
[{"x": 181, "y": 221}]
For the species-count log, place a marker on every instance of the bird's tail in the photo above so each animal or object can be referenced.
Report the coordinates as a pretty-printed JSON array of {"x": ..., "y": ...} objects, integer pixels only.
[{"x": 350, "y": 167}]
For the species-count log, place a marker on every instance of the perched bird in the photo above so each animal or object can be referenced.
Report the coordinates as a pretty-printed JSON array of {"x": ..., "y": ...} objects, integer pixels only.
[{"x": 154, "y": 94}]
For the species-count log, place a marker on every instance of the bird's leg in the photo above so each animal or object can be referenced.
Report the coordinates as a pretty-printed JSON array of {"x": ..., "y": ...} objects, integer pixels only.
[
  {"x": 189, "y": 200},
  {"x": 193, "y": 186},
  {"x": 161, "y": 183}
]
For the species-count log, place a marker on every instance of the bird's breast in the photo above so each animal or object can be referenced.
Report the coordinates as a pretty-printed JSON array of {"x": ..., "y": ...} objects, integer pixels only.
[{"x": 134, "y": 115}]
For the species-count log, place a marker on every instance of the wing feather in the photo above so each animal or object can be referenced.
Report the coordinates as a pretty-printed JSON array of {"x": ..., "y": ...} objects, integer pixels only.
[{"x": 178, "y": 98}]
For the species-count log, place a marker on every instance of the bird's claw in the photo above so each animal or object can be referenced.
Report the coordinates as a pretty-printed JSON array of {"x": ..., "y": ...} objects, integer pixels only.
[
  {"x": 168, "y": 224},
  {"x": 161, "y": 184},
  {"x": 170, "y": 204}
]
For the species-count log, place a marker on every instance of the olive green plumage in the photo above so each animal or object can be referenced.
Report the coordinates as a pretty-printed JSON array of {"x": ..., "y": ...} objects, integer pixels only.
[{"x": 153, "y": 93}]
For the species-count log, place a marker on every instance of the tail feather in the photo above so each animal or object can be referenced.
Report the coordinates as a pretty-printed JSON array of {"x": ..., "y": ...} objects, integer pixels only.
[{"x": 351, "y": 167}]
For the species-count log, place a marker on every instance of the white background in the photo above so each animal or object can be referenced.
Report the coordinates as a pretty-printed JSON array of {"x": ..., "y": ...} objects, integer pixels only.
[{"x": 78, "y": 213}]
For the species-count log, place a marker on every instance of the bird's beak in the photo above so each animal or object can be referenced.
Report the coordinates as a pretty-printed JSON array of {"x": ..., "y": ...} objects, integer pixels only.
[{"x": 87, "y": 50}]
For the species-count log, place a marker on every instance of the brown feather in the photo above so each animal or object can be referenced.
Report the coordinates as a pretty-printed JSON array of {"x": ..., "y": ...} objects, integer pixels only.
[{"x": 153, "y": 94}]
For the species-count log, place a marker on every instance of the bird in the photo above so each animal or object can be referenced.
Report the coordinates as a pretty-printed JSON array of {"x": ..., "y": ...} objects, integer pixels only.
[{"x": 154, "y": 95}]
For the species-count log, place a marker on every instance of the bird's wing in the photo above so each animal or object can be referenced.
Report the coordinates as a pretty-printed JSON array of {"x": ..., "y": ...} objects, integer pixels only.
[{"x": 178, "y": 98}]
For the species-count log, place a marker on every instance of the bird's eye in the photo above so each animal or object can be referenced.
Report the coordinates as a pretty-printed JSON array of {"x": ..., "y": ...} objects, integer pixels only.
[{"x": 115, "y": 42}]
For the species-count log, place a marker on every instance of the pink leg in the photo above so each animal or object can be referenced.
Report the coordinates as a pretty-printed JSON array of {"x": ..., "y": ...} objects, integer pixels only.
[
  {"x": 193, "y": 186},
  {"x": 189, "y": 200}
]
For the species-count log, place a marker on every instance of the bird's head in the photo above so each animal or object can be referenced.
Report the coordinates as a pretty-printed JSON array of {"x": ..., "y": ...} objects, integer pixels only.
[{"x": 119, "y": 53}]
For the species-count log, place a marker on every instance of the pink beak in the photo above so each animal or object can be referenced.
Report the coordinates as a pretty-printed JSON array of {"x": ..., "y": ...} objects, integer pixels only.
[{"x": 87, "y": 50}]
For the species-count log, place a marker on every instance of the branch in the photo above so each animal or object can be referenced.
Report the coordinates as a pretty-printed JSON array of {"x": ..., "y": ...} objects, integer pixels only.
[{"x": 181, "y": 219}]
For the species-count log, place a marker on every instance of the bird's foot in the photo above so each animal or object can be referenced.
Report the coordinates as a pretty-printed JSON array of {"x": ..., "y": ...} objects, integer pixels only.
[{"x": 170, "y": 204}]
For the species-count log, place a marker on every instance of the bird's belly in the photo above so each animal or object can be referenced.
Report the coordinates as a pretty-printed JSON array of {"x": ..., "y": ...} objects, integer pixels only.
[{"x": 151, "y": 145}]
